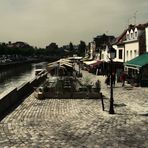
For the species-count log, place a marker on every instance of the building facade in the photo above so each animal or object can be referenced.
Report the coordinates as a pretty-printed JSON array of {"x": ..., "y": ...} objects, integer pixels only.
[
  {"x": 131, "y": 43},
  {"x": 146, "y": 32},
  {"x": 102, "y": 42}
]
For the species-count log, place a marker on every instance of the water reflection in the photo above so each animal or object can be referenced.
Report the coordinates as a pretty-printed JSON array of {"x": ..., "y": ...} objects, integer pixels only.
[{"x": 16, "y": 75}]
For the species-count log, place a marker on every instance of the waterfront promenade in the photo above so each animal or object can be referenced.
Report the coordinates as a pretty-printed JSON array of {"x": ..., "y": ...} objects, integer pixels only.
[{"x": 79, "y": 123}]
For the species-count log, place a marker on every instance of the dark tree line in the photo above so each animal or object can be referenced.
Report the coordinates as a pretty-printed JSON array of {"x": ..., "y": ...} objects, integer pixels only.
[
  {"x": 51, "y": 50},
  {"x": 79, "y": 49},
  {"x": 29, "y": 50},
  {"x": 4, "y": 50}
]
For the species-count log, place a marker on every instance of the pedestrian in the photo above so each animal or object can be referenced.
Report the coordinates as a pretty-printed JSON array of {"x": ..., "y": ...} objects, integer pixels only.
[
  {"x": 123, "y": 78},
  {"x": 107, "y": 80},
  {"x": 98, "y": 86}
]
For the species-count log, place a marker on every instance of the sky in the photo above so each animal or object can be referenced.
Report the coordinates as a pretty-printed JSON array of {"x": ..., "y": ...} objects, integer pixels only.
[{"x": 40, "y": 22}]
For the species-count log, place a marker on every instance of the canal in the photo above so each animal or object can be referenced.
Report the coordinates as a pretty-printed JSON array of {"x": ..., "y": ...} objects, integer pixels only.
[{"x": 14, "y": 76}]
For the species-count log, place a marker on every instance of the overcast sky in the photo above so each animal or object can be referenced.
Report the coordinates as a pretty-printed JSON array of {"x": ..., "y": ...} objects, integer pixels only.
[{"x": 40, "y": 22}]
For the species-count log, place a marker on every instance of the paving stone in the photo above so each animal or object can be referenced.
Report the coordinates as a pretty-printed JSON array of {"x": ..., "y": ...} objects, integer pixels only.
[{"x": 79, "y": 123}]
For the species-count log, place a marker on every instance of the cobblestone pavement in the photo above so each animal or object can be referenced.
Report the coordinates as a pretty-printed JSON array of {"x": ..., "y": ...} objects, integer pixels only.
[{"x": 79, "y": 123}]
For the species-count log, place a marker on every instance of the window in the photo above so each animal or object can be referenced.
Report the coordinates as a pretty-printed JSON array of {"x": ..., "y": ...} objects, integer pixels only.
[
  {"x": 127, "y": 35},
  {"x": 135, "y": 53},
  {"x": 131, "y": 35},
  {"x": 131, "y": 54},
  {"x": 127, "y": 55},
  {"x": 120, "y": 53},
  {"x": 136, "y": 34}
]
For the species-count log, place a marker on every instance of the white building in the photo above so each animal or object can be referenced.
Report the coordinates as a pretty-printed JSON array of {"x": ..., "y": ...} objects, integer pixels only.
[
  {"x": 131, "y": 43},
  {"x": 146, "y": 32},
  {"x": 92, "y": 50},
  {"x": 104, "y": 54}
]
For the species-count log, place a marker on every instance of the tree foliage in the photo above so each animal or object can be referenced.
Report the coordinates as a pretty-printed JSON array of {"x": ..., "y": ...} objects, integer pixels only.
[
  {"x": 71, "y": 48},
  {"x": 81, "y": 48},
  {"x": 4, "y": 50},
  {"x": 51, "y": 50}
]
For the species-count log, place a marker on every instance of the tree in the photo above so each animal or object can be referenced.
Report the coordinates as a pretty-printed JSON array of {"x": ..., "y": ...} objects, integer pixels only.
[
  {"x": 81, "y": 48},
  {"x": 2, "y": 49},
  {"x": 52, "y": 48},
  {"x": 102, "y": 40},
  {"x": 71, "y": 47}
]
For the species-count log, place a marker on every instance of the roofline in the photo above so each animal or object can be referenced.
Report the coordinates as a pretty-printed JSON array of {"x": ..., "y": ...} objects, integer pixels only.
[{"x": 132, "y": 65}]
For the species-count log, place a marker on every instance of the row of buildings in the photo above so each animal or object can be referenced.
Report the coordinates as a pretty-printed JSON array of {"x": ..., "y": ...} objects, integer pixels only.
[{"x": 131, "y": 51}]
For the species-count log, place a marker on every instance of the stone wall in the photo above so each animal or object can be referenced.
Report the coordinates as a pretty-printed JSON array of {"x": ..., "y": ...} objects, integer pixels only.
[
  {"x": 74, "y": 95},
  {"x": 13, "y": 96},
  {"x": 7, "y": 99}
]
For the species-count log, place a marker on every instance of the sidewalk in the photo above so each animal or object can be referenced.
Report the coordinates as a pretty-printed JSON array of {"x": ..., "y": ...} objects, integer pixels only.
[
  {"x": 79, "y": 123},
  {"x": 133, "y": 98}
]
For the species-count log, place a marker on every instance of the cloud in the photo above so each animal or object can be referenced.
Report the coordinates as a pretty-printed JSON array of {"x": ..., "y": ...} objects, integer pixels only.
[{"x": 40, "y": 22}]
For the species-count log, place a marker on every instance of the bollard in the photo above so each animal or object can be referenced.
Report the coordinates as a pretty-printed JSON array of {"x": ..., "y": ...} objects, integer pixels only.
[{"x": 102, "y": 102}]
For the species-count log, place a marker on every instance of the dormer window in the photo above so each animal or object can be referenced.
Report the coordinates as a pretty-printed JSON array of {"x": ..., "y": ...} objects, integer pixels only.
[
  {"x": 127, "y": 35},
  {"x": 136, "y": 33},
  {"x": 131, "y": 34}
]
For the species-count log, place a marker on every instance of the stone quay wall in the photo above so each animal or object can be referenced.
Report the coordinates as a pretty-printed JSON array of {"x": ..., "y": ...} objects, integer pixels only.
[{"x": 11, "y": 97}]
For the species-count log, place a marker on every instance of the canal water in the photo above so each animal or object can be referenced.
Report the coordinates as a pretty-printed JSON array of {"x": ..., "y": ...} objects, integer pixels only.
[{"x": 17, "y": 75}]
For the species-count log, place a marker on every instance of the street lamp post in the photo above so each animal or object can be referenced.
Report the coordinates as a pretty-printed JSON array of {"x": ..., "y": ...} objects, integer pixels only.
[
  {"x": 111, "y": 109},
  {"x": 112, "y": 53}
]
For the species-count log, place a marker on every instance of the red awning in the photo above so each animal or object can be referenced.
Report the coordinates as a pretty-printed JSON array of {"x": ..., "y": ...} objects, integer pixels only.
[{"x": 96, "y": 64}]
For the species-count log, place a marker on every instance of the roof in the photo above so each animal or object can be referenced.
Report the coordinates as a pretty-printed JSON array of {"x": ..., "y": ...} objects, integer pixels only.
[
  {"x": 75, "y": 58},
  {"x": 89, "y": 62},
  {"x": 121, "y": 38},
  {"x": 93, "y": 63},
  {"x": 142, "y": 26},
  {"x": 62, "y": 63},
  {"x": 138, "y": 62}
]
